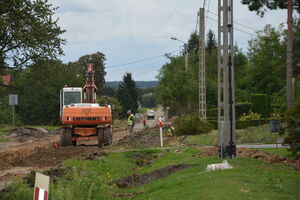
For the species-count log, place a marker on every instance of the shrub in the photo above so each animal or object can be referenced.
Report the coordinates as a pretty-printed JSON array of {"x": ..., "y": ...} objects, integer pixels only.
[
  {"x": 261, "y": 103},
  {"x": 191, "y": 125},
  {"x": 250, "y": 116},
  {"x": 242, "y": 109},
  {"x": 242, "y": 124},
  {"x": 293, "y": 128}
]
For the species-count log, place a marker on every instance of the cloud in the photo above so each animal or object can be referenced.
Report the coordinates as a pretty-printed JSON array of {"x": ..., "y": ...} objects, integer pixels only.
[{"x": 126, "y": 30}]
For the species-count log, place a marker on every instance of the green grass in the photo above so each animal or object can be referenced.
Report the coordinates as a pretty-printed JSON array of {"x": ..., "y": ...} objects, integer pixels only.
[
  {"x": 282, "y": 152},
  {"x": 259, "y": 134},
  {"x": 249, "y": 179},
  {"x": 4, "y": 132},
  {"x": 209, "y": 139}
]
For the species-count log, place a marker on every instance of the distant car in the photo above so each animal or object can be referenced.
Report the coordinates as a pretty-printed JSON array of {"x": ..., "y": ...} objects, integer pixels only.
[{"x": 150, "y": 114}]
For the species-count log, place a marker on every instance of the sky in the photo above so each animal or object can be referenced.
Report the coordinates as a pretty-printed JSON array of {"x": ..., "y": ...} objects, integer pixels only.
[{"x": 132, "y": 30}]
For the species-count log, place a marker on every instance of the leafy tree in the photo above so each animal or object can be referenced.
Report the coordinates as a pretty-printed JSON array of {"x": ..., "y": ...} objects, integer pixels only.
[
  {"x": 28, "y": 32},
  {"x": 98, "y": 60},
  {"x": 128, "y": 94},
  {"x": 211, "y": 42},
  {"x": 148, "y": 100},
  {"x": 261, "y": 6},
  {"x": 38, "y": 87},
  {"x": 266, "y": 62},
  {"x": 193, "y": 43}
]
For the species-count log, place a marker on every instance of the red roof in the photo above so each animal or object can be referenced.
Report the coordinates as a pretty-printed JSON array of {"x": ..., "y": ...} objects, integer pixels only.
[{"x": 5, "y": 79}]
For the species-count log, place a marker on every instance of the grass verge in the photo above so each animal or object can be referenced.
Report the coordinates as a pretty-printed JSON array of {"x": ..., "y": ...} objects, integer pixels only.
[{"x": 92, "y": 179}]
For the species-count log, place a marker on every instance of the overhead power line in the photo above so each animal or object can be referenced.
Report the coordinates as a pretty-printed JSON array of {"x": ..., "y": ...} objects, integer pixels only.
[
  {"x": 235, "y": 21},
  {"x": 142, "y": 60},
  {"x": 234, "y": 28}
]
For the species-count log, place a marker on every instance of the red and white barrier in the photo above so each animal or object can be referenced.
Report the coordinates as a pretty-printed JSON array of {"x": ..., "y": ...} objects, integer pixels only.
[{"x": 41, "y": 187}]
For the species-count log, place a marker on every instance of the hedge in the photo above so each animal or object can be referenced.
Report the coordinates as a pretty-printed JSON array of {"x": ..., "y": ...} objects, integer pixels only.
[
  {"x": 240, "y": 109},
  {"x": 242, "y": 124},
  {"x": 261, "y": 103}
]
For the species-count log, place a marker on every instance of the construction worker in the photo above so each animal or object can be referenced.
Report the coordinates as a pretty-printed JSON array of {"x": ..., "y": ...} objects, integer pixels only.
[{"x": 130, "y": 122}]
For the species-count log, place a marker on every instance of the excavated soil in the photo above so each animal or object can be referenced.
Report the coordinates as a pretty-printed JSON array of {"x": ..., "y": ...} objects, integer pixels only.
[
  {"x": 24, "y": 134},
  {"x": 255, "y": 154},
  {"x": 144, "y": 138},
  {"x": 141, "y": 179}
]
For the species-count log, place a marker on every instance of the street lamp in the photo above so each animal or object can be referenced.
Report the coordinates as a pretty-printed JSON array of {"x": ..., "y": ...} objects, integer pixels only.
[{"x": 186, "y": 53}]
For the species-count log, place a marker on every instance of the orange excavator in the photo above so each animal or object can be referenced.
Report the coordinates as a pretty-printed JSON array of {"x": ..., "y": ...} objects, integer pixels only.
[{"x": 82, "y": 117}]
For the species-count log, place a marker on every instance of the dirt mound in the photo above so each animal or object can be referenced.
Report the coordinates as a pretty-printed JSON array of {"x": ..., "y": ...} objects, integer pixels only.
[
  {"x": 144, "y": 138},
  {"x": 253, "y": 153},
  {"x": 23, "y": 134},
  {"x": 141, "y": 179},
  {"x": 52, "y": 157}
]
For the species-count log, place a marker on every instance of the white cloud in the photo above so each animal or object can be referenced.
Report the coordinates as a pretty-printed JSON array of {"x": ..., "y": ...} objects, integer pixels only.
[{"x": 126, "y": 30}]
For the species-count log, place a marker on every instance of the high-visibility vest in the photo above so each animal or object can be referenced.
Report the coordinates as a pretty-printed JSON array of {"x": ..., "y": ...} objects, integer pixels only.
[{"x": 130, "y": 120}]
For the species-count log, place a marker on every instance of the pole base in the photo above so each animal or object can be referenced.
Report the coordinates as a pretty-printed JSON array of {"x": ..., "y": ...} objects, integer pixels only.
[{"x": 227, "y": 151}]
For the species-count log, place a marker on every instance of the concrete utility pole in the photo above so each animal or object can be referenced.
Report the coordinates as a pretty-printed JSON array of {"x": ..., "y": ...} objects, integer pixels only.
[
  {"x": 202, "y": 75},
  {"x": 289, "y": 70},
  {"x": 226, "y": 95}
]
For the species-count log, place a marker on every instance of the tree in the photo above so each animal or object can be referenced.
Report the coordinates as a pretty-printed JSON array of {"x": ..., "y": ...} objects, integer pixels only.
[
  {"x": 211, "y": 42},
  {"x": 98, "y": 60},
  {"x": 261, "y": 6},
  {"x": 38, "y": 87},
  {"x": 128, "y": 94},
  {"x": 266, "y": 62},
  {"x": 193, "y": 43},
  {"x": 28, "y": 31}
]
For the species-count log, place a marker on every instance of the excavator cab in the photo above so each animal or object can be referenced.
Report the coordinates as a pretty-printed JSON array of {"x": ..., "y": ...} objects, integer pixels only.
[{"x": 68, "y": 96}]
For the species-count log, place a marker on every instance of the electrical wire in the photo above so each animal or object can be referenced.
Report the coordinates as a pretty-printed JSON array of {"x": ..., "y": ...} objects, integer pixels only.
[
  {"x": 142, "y": 60},
  {"x": 138, "y": 66},
  {"x": 235, "y": 21},
  {"x": 234, "y": 28}
]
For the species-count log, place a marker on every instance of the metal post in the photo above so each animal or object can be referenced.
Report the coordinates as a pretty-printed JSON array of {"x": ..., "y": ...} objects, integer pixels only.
[
  {"x": 226, "y": 94},
  {"x": 186, "y": 59},
  {"x": 13, "y": 115},
  {"x": 289, "y": 71},
  {"x": 202, "y": 74}
]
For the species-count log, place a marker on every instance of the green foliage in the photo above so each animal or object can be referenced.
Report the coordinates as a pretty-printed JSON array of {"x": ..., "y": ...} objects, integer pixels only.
[
  {"x": 242, "y": 109},
  {"x": 293, "y": 128},
  {"x": 148, "y": 100},
  {"x": 38, "y": 88},
  {"x": 266, "y": 71},
  {"x": 261, "y": 104},
  {"x": 6, "y": 113},
  {"x": 261, "y": 6},
  {"x": 28, "y": 32},
  {"x": 128, "y": 94},
  {"x": 242, "y": 124},
  {"x": 211, "y": 43},
  {"x": 250, "y": 116},
  {"x": 98, "y": 60},
  {"x": 191, "y": 125}
]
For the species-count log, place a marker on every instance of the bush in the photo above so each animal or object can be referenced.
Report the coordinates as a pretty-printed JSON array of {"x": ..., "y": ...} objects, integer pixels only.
[
  {"x": 242, "y": 124},
  {"x": 293, "y": 128},
  {"x": 191, "y": 125},
  {"x": 242, "y": 109},
  {"x": 250, "y": 116},
  {"x": 261, "y": 103}
]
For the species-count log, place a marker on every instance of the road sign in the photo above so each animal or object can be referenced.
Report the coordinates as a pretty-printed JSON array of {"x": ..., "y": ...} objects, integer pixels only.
[{"x": 13, "y": 99}]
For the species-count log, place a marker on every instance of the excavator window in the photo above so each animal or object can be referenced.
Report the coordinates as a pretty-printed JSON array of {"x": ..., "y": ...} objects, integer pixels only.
[{"x": 72, "y": 97}]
